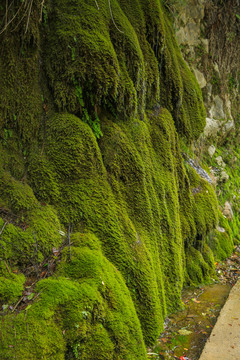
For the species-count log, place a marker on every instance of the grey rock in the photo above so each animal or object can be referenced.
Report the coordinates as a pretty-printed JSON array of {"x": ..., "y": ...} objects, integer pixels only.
[
  {"x": 227, "y": 210},
  {"x": 211, "y": 150},
  {"x": 221, "y": 229},
  {"x": 189, "y": 35},
  {"x": 216, "y": 111},
  {"x": 201, "y": 172},
  {"x": 228, "y": 126},
  {"x": 205, "y": 43},
  {"x": 212, "y": 127},
  {"x": 209, "y": 91},
  {"x": 220, "y": 161},
  {"x": 200, "y": 78},
  {"x": 224, "y": 176}
]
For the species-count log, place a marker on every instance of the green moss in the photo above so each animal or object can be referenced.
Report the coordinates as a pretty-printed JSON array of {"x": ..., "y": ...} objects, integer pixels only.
[
  {"x": 221, "y": 240},
  {"x": 42, "y": 179},
  {"x": 122, "y": 70},
  {"x": 198, "y": 270},
  {"x": 16, "y": 195},
  {"x": 20, "y": 102},
  {"x": 91, "y": 316},
  {"x": 33, "y": 240},
  {"x": 11, "y": 287}
]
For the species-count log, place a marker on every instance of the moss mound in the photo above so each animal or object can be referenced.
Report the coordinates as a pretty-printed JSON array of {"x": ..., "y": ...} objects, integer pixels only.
[
  {"x": 85, "y": 313},
  {"x": 126, "y": 41}
]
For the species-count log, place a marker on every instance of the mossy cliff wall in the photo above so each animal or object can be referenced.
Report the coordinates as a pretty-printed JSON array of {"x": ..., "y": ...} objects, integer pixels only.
[{"x": 95, "y": 100}]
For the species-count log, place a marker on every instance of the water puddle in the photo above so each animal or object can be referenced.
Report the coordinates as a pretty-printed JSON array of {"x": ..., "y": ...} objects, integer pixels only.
[{"x": 187, "y": 331}]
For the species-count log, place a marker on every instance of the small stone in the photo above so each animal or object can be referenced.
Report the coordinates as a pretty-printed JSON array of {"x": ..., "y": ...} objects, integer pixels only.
[
  {"x": 220, "y": 161},
  {"x": 205, "y": 43},
  {"x": 216, "y": 111},
  {"x": 224, "y": 176},
  {"x": 211, "y": 150},
  {"x": 229, "y": 126},
  {"x": 212, "y": 128},
  {"x": 221, "y": 229},
  {"x": 227, "y": 211},
  {"x": 200, "y": 78},
  {"x": 209, "y": 91},
  {"x": 216, "y": 68}
]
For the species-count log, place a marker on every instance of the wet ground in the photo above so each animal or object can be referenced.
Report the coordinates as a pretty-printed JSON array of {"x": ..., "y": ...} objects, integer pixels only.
[{"x": 187, "y": 331}]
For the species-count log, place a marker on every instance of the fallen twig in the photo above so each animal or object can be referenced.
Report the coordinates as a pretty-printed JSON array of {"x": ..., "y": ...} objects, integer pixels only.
[
  {"x": 97, "y": 4},
  {"x": 3, "y": 228},
  {"x": 109, "y": 3}
]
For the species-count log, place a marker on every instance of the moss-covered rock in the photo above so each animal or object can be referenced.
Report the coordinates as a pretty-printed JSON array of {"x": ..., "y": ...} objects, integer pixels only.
[
  {"x": 11, "y": 286},
  {"x": 86, "y": 313}
]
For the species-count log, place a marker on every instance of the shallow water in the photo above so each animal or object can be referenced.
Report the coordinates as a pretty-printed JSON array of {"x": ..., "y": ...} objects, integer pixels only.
[{"x": 187, "y": 331}]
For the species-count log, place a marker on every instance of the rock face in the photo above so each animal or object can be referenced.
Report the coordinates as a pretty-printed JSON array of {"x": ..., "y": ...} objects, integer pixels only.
[
  {"x": 96, "y": 104},
  {"x": 189, "y": 33}
]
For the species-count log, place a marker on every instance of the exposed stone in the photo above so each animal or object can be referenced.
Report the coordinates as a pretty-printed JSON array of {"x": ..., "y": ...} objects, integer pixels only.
[
  {"x": 227, "y": 210},
  {"x": 201, "y": 172},
  {"x": 216, "y": 68},
  {"x": 221, "y": 229},
  {"x": 214, "y": 178},
  {"x": 209, "y": 91},
  {"x": 216, "y": 111},
  {"x": 228, "y": 106},
  {"x": 224, "y": 176},
  {"x": 189, "y": 35},
  {"x": 229, "y": 126},
  {"x": 195, "y": 12},
  {"x": 211, "y": 150},
  {"x": 200, "y": 78},
  {"x": 212, "y": 127},
  {"x": 220, "y": 161},
  {"x": 205, "y": 43}
]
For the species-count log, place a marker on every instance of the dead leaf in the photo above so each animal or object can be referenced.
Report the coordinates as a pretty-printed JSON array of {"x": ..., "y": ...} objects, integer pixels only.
[
  {"x": 195, "y": 300},
  {"x": 164, "y": 340}
]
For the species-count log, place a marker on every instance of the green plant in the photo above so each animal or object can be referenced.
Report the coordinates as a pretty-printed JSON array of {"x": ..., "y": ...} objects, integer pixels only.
[
  {"x": 92, "y": 120},
  {"x": 7, "y": 134},
  {"x": 44, "y": 15}
]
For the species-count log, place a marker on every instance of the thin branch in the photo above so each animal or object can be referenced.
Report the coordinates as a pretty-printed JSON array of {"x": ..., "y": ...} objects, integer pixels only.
[
  {"x": 97, "y": 4},
  {"x": 21, "y": 298},
  {"x": 69, "y": 242},
  {"x": 41, "y": 11},
  {"x": 6, "y": 14},
  {"x": 109, "y": 3},
  {"x": 24, "y": 14},
  {"x": 3, "y": 228},
  {"x": 10, "y": 21},
  {"x": 36, "y": 256},
  {"x": 29, "y": 13},
  {"x": 7, "y": 267}
]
